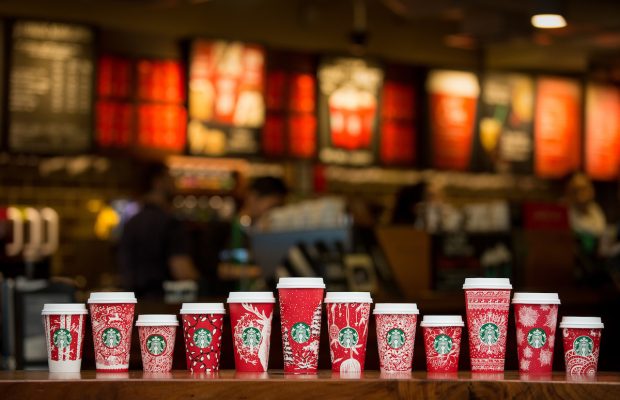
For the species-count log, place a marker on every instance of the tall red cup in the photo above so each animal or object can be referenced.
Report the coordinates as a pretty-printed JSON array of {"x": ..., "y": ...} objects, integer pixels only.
[
  {"x": 111, "y": 315},
  {"x": 64, "y": 334},
  {"x": 487, "y": 302},
  {"x": 582, "y": 341},
  {"x": 442, "y": 342},
  {"x": 396, "y": 325},
  {"x": 347, "y": 323},
  {"x": 157, "y": 333},
  {"x": 536, "y": 316},
  {"x": 250, "y": 319},
  {"x": 202, "y": 334},
  {"x": 300, "y": 312}
]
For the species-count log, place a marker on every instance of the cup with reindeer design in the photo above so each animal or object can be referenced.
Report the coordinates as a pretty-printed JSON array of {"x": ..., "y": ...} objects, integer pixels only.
[
  {"x": 442, "y": 342},
  {"x": 251, "y": 314},
  {"x": 202, "y": 334},
  {"x": 157, "y": 333},
  {"x": 396, "y": 325},
  {"x": 536, "y": 316},
  {"x": 347, "y": 324},
  {"x": 301, "y": 301}
]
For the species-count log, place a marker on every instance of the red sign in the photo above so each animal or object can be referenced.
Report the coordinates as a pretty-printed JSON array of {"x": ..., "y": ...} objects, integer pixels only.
[
  {"x": 161, "y": 126},
  {"x": 114, "y": 77},
  {"x": 557, "y": 125},
  {"x": 114, "y": 124},
  {"x": 602, "y": 132},
  {"x": 161, "y": 80},
  {"x": 397, "y": 128}
]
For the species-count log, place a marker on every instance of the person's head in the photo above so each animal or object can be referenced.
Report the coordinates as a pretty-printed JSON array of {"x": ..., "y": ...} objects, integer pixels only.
[
  {"x": 156, "y": 184},
  {"x": 580, "y": 191},
  {"x": 263, "y": 194},
  {"x": 407, "y": 201}
]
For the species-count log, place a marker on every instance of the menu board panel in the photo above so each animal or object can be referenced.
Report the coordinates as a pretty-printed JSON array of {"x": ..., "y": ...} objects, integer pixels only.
[
  {"x": 453, "y": 97},
  {"x": 602, "y": 132},
  {"x": 348, "y": 110},
  {"x": 557, "y": 127},
  {"x": 504, "y": 141},
  {"x": 226, "y": 102},
  {"x": 50, "y": 86}
]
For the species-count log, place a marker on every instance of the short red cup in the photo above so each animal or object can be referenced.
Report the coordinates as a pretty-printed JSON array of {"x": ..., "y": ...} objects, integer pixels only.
[
  {"x": 202, "y": 334},
  {"x": 251, "y": 314},
  {"x": 396, "y": 325},
  {"x": 536, "y": 316},
  {"x": 442, "y": 342},
  {"x": 157, "y": 333},
  {"x": 64, "y": 334},
  {"x": 347, "y": 324},
  {"x": 582, "y": 340}
]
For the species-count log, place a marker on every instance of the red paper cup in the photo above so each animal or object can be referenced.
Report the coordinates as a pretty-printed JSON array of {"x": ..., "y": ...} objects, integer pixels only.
[
  {"x": 582, "y": 340},
  {"x": 111, "y": 315},
  {"x": 300, "y": 312},
  {"x": 442, "y": 342},
  {"x": 347, "y": 322},
  {"x": 536, "y": 316},
  {"x": 202, "y": 333},
  {"x": 250, "y": 319},
  {"x": 64, "y": 334},
  {"x": 487, "y": 302},
  {"x": 157, "y": 333},
  {"x": 396, "y": 324}
]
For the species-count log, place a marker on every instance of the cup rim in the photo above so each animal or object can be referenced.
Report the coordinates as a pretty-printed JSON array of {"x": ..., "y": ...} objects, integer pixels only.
[
  {"x": 348, "y": 297},
  {"x": 251, "y": 297},
  {"x": 300, "y": 283},
  {"x": 157, "y": 320},
  {"x": 64, "y": 309},
  {"x": 396, "y": 308},
  {"x": 487, "y": 283},
  {"x": 431, "y": 321},
  {"x": 582, "y": 322},
  {"x": 535, "y": 298},
  {"x": 112, "y": 297},
  {"x": 202, "y": 308}
]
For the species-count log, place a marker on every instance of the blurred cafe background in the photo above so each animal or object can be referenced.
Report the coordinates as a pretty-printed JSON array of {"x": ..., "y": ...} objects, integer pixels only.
[{"x": 183, "y": 149}]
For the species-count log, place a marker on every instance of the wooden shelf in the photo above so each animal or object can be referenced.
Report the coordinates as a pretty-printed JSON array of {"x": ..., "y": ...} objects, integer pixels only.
[{"x": 275, "y": 385}]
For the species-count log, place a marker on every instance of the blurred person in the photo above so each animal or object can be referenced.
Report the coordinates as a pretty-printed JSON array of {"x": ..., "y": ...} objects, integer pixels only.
[
  {"x": 154, "y": 246},
  {"x": 409, "y": 199},
  {"x": 585, "y": 215}
]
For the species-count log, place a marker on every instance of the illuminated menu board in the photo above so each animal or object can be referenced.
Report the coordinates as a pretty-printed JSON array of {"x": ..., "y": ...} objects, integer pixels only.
[
  {"x": 226, "y": 102},
  {"x": 51, "y": 85},
  {"x": 348, "y": 110},
  {"x": 453, "y": 97},
  {"x": 557, "y": 127},
  {"x": 602, "y": 151},
  {"x": 115, "y": 114}
]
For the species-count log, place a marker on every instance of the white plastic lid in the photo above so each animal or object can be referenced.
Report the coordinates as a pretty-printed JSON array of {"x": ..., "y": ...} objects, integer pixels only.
[
  {"x": 157, "y": 320},
  {"x": 535, "y": 298},
  {"x": 396, "y": 308},
  {"x": 202, "y": 308},
  {"x": 348, "y": 297},
  {"x": 251, "y": 297},
  {"x": 581, "y": 322},
  {"x": 442, "y": 320},
  {"x": 64, "y": 308},
  {"x": 487, "y": 283},
  {"x": 112, "y": 297},
  {"x": 301, "y": 283}
]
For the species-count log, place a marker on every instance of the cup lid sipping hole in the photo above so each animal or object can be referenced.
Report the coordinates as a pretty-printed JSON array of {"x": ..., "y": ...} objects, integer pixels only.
[
  {"x": 487, "y": 283},
  {"x": 300, "y": 283},
  {"x": 157, "y": 320},
  {"x": 64, "y": 308},
  {"x": 442, "y": 320},
  {"x": 112, "y": 297},
  {"x": 202, "y": 308},
  {"x": 535, "y": 298},
  {"x": 251, "y": 297},
  {"x": 348, "y": 297},
  {"x": 582, "y": 322},
  {"x": 396, "y": 308}
]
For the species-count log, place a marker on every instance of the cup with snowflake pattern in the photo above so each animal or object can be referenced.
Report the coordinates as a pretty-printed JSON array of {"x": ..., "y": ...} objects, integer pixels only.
[
  {"x": 111, "y": 315},
  {"x": 64, "y": 336},
  {"x": 202, "y": 334},
  {"x": 301, "y": 301},
  {"x": 250, "y": 319},
  {"x": 347, "y": 323},
  {"x": 396, "y": 325},
  {"x": 582, "y": 340},
  {"x": 442, "y": 342},
  {"x": 536, "y": 316},
  {"x": 157, "y": 333}
]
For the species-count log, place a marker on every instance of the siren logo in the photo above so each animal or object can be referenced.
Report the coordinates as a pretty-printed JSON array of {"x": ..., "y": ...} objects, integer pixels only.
[
  {"x": 489, "y": 333},
  {"x": 62, "y": 338},
  {"x": 348, "y": 337},
  {"x": 537, "y": 338},
  {"x": 300, "y": 332},
  {"x": 251, "y": 337},
  {"x": 442, "y": 344},
  {"x": 396, "y": 338},
  {"x": 111, "y": 337},
  {"x": 583, "y": 346},
  {"x": 202, "y": 338},
  {"x": 156, "y": 344}
]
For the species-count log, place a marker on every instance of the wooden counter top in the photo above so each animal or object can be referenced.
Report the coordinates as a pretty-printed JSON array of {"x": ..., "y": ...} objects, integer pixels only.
[{"x": 227, "y": 384}]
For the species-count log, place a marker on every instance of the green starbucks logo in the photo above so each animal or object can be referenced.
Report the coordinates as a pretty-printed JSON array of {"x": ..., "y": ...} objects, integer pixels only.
[
  {"x": 111, "y": 337},
  {"x": 489, "y": 333},
  {"x": 251, "y": 337},
  {"x": 396, "y": 338},
  {"x": 583, "y": 346},
  {"x": 202, "y": 338},
  {"x": 348, "y": 337},
  {"x": 156, "y": 344},
  {"x": 300, "y": 332},
  {"x": 62, "y": 338},
  {"x": 537, "y": 338},
  {"x": 442, "y": 344}
]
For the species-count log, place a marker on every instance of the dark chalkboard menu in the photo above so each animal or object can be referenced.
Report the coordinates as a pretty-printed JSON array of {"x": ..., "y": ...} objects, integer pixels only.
[{"x": 50, "y": 87}]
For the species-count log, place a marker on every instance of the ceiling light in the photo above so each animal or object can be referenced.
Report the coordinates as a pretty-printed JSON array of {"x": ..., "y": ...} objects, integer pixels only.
[{"x": 548, "y": 21}]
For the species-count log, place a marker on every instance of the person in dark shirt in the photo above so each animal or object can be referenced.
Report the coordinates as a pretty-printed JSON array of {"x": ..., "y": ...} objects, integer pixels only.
[{"x": 154, "y": 246}]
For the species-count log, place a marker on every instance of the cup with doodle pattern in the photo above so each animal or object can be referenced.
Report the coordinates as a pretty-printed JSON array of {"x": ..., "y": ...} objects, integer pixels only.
[
  {"x": 582, "y": 340},
  {"x": 202, "y": 334},
  {"x": 64, "y": 334},
  {"x": 250, "y": 319},
  {"x": 112, "y": 315},
  {"x": 396, "y": 325},
  {"x": 487, "y": 303},
  {"x": 536, "y": 317},
  {"x": 157, "y": 333},
  {"x": 442, "y": 342}
]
